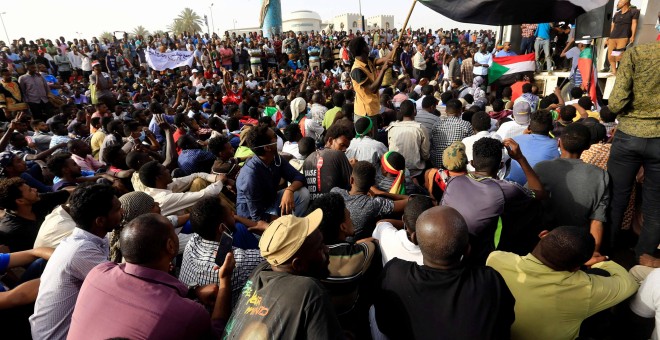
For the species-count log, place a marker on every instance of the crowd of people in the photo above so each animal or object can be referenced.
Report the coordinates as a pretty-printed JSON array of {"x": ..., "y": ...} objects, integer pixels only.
[{"x": 371, "y": 184}]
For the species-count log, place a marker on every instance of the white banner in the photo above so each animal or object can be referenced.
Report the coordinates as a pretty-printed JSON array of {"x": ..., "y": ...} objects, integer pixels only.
[{"x": 162, "y": 61}]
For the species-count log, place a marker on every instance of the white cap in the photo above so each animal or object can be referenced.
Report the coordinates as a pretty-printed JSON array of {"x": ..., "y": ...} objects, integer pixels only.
[
  {"x": 156, "y": 81},
  {"x": 195, "y": 70}
]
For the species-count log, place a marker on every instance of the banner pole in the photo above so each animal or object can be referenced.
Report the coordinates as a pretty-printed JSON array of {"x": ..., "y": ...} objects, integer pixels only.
[{"x": 405, "y": 24}]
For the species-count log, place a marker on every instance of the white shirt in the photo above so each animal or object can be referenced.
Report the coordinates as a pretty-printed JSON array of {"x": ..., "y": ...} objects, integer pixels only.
[
  {"x": 57, "y": 226},
  {"x": 173, "y": 200},
  {"x": 482, "y": 58},
  {"x": 510, "y": 130},
  {"x": 292, "y": 149},
  {"x": 86, "y": 64},
  {"x": 61, "y": 281},
  {"x": 75, "y": 59},
  {"x": 251, "y": 84},
  {"x": 395, "y": 243},
  {"x": 646, "y": 302},
  {"x": 364, "y": 149}
]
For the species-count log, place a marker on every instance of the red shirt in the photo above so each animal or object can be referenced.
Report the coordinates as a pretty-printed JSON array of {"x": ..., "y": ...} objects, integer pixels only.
[
  {"x": 177, "y": 134},
  {"x": 233, "y": 97},
  {"x": 516, "y": 90}
]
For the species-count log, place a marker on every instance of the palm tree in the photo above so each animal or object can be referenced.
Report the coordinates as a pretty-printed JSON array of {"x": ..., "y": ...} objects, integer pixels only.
[
  {"x": 106, "y": 35},
  {"x": 188, "y": 21},
  {"x": 140, "y": 31}
]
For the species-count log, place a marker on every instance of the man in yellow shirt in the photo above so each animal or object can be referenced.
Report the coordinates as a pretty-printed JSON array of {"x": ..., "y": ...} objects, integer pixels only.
[
  {"x": 553, "y": 296},
  {"x": 366, "y": 78}
]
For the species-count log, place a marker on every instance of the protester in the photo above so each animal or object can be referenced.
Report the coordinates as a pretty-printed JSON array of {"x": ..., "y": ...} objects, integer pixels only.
[
  {"x": 437, "y": 300},
  {"x": 96, "y": 211},
  {"x": 149, "y": 245},
  {"x": 265, "y": 127},
  {"x": 554, "y": 265},
  {"x": 296, "y": 258}
]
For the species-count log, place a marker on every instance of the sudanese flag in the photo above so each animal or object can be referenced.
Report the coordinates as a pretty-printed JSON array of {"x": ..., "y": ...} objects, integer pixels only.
[{"x": 504, "y": 70}]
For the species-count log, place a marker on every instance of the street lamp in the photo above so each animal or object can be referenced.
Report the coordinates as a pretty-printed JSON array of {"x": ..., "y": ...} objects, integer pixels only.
[
  {"x": 235, "y": 24},
  {"x": 212, "y": 22},
  {"x": 5, "y": 28}
]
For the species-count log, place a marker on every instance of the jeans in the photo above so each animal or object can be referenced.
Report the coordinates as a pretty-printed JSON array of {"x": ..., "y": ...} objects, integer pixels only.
[
  {"x": 300, "y": 198},
  {"x": 628, "y": 154},
  {"x": 527, "y": 45},
  {"x": 545, "y": 44}
]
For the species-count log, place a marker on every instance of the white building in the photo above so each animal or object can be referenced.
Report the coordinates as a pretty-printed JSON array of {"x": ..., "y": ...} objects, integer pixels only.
[
  {"x": 302, "y": 21},
  {"x": 348, "y": 21},
  {"x": 306, "y": 21},
  {"x": 380, "y": 22}
]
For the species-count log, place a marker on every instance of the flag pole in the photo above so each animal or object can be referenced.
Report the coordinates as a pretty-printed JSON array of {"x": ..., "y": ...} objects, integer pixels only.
[{"x": 405, "y": 24}]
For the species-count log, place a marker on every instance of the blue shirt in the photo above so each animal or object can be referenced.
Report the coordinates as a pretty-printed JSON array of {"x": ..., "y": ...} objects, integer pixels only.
[
  {"x": 504, "y": 53},
  {"x": 258, "y": 185},
  {"x": 153, "y": 127},
  {"x": 536, "y": 148},
  {"x": 195, "y": 160},
  {"x": 543, "y": 31}
]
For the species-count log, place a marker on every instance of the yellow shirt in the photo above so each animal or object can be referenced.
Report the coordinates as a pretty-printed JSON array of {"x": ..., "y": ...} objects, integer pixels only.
[
  {"x": 330, "y": 117},
  {"x": 552, "y": 304},
  {"x": 592, "y": 114},
  {"x": 367, "y": 103},
  {"x": 96, "y": 142}
]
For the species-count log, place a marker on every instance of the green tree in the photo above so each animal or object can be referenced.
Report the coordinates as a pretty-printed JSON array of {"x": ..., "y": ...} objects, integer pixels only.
[
  {"x": 106, "y": 35},
  {"x": 187, "y": 21},
  {"x": 140, "y": 31}
]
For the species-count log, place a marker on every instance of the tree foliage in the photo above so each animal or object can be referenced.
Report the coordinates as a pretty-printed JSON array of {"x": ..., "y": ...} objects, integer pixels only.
[
  {"x": 187, "y": 21},
  {"x": 106, "y": 35},
  {"x": 140, "y": 31}
]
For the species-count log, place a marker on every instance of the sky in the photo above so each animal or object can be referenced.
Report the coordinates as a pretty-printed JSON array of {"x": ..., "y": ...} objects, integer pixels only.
[{"x": 87, "y": 18}]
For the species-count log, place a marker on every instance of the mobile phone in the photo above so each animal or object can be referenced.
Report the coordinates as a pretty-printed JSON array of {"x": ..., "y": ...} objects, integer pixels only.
[
  {"x": 224, "y": 247},
  {"x": 143, "y": 136}
]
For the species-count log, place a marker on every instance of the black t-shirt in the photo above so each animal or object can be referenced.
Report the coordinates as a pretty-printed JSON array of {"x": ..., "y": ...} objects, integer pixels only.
[
  {"x": 18, "y": 233},
  {"x": 419, "y": 302},
  {"x": 276, "y": 305},
  {"x": 335, "y": 172},
  {"x": 623, "y": 23}
]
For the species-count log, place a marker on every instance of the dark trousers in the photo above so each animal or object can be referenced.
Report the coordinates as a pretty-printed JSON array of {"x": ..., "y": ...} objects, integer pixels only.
[
  {"x": 527, "y": 45},
  {"x": 41, "y": 110},
  {"x": 628, "y": 154},
  {"x": 417, "y": 74}
]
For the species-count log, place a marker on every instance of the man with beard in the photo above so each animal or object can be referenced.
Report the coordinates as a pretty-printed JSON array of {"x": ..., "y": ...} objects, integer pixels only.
[{"x": 283, "y": 298}]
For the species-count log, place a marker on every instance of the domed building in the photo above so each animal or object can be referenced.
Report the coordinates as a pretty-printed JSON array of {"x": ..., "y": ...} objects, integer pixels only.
[{"x": 302, "y": 21}]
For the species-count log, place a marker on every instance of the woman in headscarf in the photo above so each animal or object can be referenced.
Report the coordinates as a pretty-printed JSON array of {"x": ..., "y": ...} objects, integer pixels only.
[
  {"x": 476, "y": 90},
  {"x": 138, "y": 203}
]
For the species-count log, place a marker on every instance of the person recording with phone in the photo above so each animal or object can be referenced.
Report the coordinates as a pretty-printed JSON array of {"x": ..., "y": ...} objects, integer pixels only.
[{"x": 215, "y": 231}]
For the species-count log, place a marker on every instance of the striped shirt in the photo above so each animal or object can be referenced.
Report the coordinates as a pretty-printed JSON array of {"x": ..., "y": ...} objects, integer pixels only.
[
  {"x": 61, "y": 281},
  {"x": 199, "y": 261}
]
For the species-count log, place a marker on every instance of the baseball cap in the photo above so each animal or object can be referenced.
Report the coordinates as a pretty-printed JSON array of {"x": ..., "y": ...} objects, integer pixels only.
[
  {"x": 194, "y": 70},
  {"x": 521, "y": 111},
  {"x": 286, "y": 235},
  {"x": 454, "y": 157}
]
